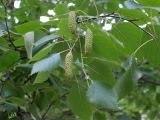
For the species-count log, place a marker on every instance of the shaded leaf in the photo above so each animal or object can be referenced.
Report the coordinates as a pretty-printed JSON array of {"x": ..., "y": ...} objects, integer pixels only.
[
  {"x": 61, "y": 9},
  {"x": 99, "y": 116},
  {"x": 128, "y": 81},
  {"x": 27, "y": 27},
  {"x": 42, "y": 53},
  {"x": 41, "y": 77},
  {"x": 103, "y": 45},
  {"x": 129, "y": 35},
  {"x": 8, "y": 59},
  {"x": 31, "y": 88},
  {"x": 78, "y": 103},
  {"x": 151, "y": 50},
  {"x": 45, "y": 39},
  {"x": 17, "y": 101},
  {"x": 99, "y": 70}
]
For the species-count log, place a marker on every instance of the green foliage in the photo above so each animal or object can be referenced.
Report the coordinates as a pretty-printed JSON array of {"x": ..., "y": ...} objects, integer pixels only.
[
  {"x": 8, "y": 59},
  {"x": 111, "y": 73},
  {"x": 102, "y": 96},
  {"x": 77, "y": 101}
]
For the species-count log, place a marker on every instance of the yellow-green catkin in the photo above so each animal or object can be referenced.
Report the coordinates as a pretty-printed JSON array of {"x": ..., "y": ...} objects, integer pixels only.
[
  {"x": 88, "y": 41},
  {"x": 72, "y": 24},
  {"x": 68, "y": 65}
]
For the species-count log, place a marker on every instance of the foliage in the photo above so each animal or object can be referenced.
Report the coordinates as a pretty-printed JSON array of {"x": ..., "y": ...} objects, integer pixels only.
[{"x": 91, "y": 60}]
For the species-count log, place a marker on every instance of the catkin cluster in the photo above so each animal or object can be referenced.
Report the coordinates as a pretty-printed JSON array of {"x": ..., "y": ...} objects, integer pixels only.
[
  {"x": 72, "y": 25},
  {"x": 88, "y": 41},
  {"x": 68, "y": 65}
]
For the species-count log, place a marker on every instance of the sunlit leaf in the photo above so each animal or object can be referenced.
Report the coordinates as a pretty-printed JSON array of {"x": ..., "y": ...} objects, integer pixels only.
[{"x": 46, "y": 64}]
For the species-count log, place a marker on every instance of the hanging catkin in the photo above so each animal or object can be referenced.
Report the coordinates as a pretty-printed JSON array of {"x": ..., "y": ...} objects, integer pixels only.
[
  {"x": 72, "y": 25},
  {"x": 88, "y": 41},
  {"x": 68, "y": 65}
]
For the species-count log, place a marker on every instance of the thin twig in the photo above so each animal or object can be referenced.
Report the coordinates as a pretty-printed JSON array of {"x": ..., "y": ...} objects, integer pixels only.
[
  {"x": 150, "y": 82},
  {"x": 142, "y": 29},
  {"x": 112, "y": 15},
  {"x": 82, "y": 63},
  {"x": 51, "y": 104},
  {"x": 6, "y": 47},
  {"x": 6, "y": 24},
  {"x": 74, "y": 43},
  {"x": 142, "y": 45}
]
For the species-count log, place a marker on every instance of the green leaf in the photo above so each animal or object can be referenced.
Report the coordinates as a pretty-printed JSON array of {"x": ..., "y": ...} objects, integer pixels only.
[
  {"x": 83, "y": 4},
  {"x": 27, "y": 27},
  {"x": 133, "y": 5},
  {"x": 78, "y": 103},
  {"x": 99, "y": 116},
  {"x": 134, "y": 14},
  {"x": 151, "y": 50},
  {"x": 45, "y": 39},
  {"x": 17, "y": 101},
  {"x": 46, "y": 64},
  {"x": 31, "y": 88},
  {"x": 34, "y": 111},
  {"x": 61, "y": 9},
  {"x": 19, "y": 42},
  {"x": 158, "y": 97},
  {"x": 99, "y": 70},
  {"x": 155, "y": 3},
  {"x": 4, "y": 115},
  {"x": 128, "y": 80},
  {"x": 3, "y": 44},
  {"x": 129, "y": 35},
  {"x": 42, "y": 53},
  {"x": 29, "y": 41},
  {"x": 10, "y": 90},
  {"x": 41, "y": 77},
  {"x": 103, "y": 45},
  {"x": 64, "y": 30},
  {"x": 102, "y": 96},
  {"x": 8, "y": 59}
]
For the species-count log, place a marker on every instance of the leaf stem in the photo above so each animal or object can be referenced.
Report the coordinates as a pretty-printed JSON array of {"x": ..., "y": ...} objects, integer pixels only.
[{"x": 145, "y": 43}]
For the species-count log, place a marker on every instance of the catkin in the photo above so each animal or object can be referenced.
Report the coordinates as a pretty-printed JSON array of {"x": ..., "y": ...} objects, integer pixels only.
[
  {"x": 72, "y": 25},
  {"x": 68, "y": 65},
  {"x": 88, "y": 41}
]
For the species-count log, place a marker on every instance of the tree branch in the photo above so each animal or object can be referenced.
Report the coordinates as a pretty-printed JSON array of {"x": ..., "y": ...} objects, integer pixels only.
[
  {"x": 150, "y": 81},
  {"x": 51, "y": 104},
  {"x": 112, "y": 15},
  {"x": 6, "y": 24}
]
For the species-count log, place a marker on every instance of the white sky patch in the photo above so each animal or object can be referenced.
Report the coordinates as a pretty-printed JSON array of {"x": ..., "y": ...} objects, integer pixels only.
[
  {"x": 143, "y": 26},
  {"x": 53, "y": 29},
  {"x": 44, "y": 19},
  {"x": 143, "y": 117},
  {"x": 148, "y": 23},
  {"x": 9, "y": 17},
  {"x": 17, "y": 4},
  {"x": 120, "y": 5},
  {"x": 107, "y": 27},
  {"x": 113, "y": 21},
  {"x": 56, "y": 19},
  {"x": 101, "y": 14},
  {"x": 51, "y": 12},
  {"x": 16, "y": 20},
  {"x": 71, "y": 4}
]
